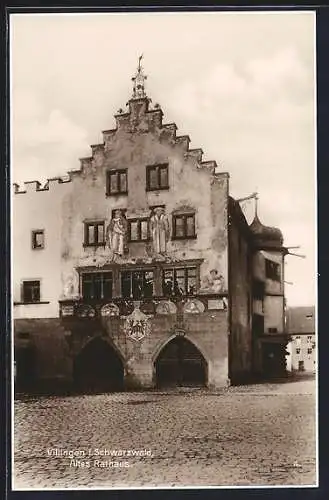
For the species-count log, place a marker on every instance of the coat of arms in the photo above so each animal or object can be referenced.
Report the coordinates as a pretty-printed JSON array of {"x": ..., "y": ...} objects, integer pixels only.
[{"x": 137, "y": 324}]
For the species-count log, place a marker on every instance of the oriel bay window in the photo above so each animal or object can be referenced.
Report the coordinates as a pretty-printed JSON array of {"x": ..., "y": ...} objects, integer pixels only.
[
  {"x": 138, "y": 230},
  {"x": 184, "y": 226},
  {"x": 157, "y": 177},
  {"x": 97, "y": 286},
  {"x": 179, "y": 281},
  {"x": 116, "y": 182},
  {"x": 137, "y": 284}
]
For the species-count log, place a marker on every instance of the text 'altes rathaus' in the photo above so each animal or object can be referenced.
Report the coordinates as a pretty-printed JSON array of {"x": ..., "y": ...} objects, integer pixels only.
[{"x": 139, "y": 270}]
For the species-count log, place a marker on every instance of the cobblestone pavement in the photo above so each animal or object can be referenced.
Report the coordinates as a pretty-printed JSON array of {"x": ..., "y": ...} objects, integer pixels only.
[{"x": 250, "y": 435}]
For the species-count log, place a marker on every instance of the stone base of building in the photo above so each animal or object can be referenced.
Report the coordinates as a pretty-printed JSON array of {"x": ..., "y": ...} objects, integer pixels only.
[{"x": 56, "y": 356}]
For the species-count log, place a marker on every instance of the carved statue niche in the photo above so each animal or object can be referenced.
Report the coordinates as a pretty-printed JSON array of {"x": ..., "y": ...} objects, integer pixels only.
[
  {"x": 159, "y": 230},
  {"x": 116, "y": 233}
]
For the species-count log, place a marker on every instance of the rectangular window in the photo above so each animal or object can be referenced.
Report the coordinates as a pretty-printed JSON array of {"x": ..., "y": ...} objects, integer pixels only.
[
  {"x": 309, "y": 338},
  {"x": 31, "y": 291},
  {"x": 117, "y": 182},
  {"x": 180, "y": 281},
  {"x": 184, "y": 226},
  {"x": 157, "y": 177},
  {"x": 94, "y": 234},
  {"x": 97, "y": 286},
  {"x": 38, "y": 239},
  {"x": 138, "y": 230},
  {"x": 137, "y": 284},
  {"x": 297, "y": 350},
  {"x": 309, "y": 350},
  {"x": 272, "y": 270}
]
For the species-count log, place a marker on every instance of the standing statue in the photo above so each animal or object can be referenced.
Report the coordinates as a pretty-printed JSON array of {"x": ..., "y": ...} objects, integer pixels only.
[
  {"x": 116, "y": 232},
  {"x": 159, "y": 229}
]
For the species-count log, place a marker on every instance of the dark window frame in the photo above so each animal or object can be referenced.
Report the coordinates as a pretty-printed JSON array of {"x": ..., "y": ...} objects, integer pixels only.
[
  {"x": 35, "y": 291},
  {"x": 95, "y": 224},
  {"x": 117, "y": 172},
  {"x": 135, "y": 271},
  {"x": 184, "y": 217},
  {"x": 92, "y": 275},
  {"x": 186, "y": 269},
  {"x": 139, "y": 230},
  {"x": 309, "y": 350},
  {"x": 158, "y": 167},
  {"x": 34, "y": 234},
  {"x": 297, "y": 350}
]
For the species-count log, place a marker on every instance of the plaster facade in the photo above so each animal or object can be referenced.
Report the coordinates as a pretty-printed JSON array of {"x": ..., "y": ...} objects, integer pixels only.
[{"x": 91, "y": 256}]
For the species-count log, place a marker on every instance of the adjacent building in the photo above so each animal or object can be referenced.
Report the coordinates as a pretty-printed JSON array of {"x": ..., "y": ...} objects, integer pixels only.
[
  {"x": 302, "y": 346},
  {"x": 139, "y": 270}
]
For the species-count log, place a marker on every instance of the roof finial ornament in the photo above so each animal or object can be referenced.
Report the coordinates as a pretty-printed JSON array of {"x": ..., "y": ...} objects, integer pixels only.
[{"x": 139, "y": 81}]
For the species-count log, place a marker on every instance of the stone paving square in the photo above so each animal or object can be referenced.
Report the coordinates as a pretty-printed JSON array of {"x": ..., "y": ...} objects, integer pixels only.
[{"x": 258, "y": 435}]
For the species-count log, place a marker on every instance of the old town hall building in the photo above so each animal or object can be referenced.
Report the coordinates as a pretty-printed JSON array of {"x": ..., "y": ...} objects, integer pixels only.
[{"x": 139, "y": 270}]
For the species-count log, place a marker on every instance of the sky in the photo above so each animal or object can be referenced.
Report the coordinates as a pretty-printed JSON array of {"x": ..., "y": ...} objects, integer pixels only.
[{"x": 241, "y": 85}]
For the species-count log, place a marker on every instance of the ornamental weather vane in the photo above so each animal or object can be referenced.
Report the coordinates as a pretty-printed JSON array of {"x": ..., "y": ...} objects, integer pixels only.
[{"x": 139, "y": 81}]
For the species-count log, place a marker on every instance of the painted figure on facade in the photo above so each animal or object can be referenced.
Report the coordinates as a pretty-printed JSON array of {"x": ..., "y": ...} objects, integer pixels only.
[
  {"x": 71, "y": 286},
  {"x": 159, "y": 229},
  {"x": 116, "y": 233},
  {"x": 213, "y": 283}
]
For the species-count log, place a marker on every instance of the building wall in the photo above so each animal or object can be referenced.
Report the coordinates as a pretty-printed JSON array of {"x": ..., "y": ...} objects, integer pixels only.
[
  {"x": 139, "y": 140},
  {"x": 301, "y": 325},
  {"x": 38, "y": 209},
  {"x": 240, "y": 299},
  {"x": 192, "y": 186},
  {"x": 303, "y": 353}
]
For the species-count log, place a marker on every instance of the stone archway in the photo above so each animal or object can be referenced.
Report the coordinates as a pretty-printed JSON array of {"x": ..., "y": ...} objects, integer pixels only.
[
  {"x": 180, "y": 363},
  {"x": 98, "y": 368}
]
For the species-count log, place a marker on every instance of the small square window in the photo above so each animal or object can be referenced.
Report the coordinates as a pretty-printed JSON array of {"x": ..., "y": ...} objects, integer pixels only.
[
  {"x": 31, "y": 291},
  {"x": 184, "y": 226},
  {"x": 116, "y": 182},
  {"x": 297, "y": 350},
  {"x": 157, "y": 177},
  {"x": 38, "y": 239},
  {"x": 94, "y": 233},
  {"x": 139, "y": 230},
  {"x": 309, "y": 350}
]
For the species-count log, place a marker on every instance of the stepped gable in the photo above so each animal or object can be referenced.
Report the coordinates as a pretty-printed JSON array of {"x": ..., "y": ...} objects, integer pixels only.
[
  {"x": 140, "y": 118},
  {"x": 266, "y": 236}
]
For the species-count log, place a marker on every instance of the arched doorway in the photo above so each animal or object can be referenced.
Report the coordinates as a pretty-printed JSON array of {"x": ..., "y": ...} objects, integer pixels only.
[
  {"x": 98, "y": 368},
  {"x": 180, "y": 363}
]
